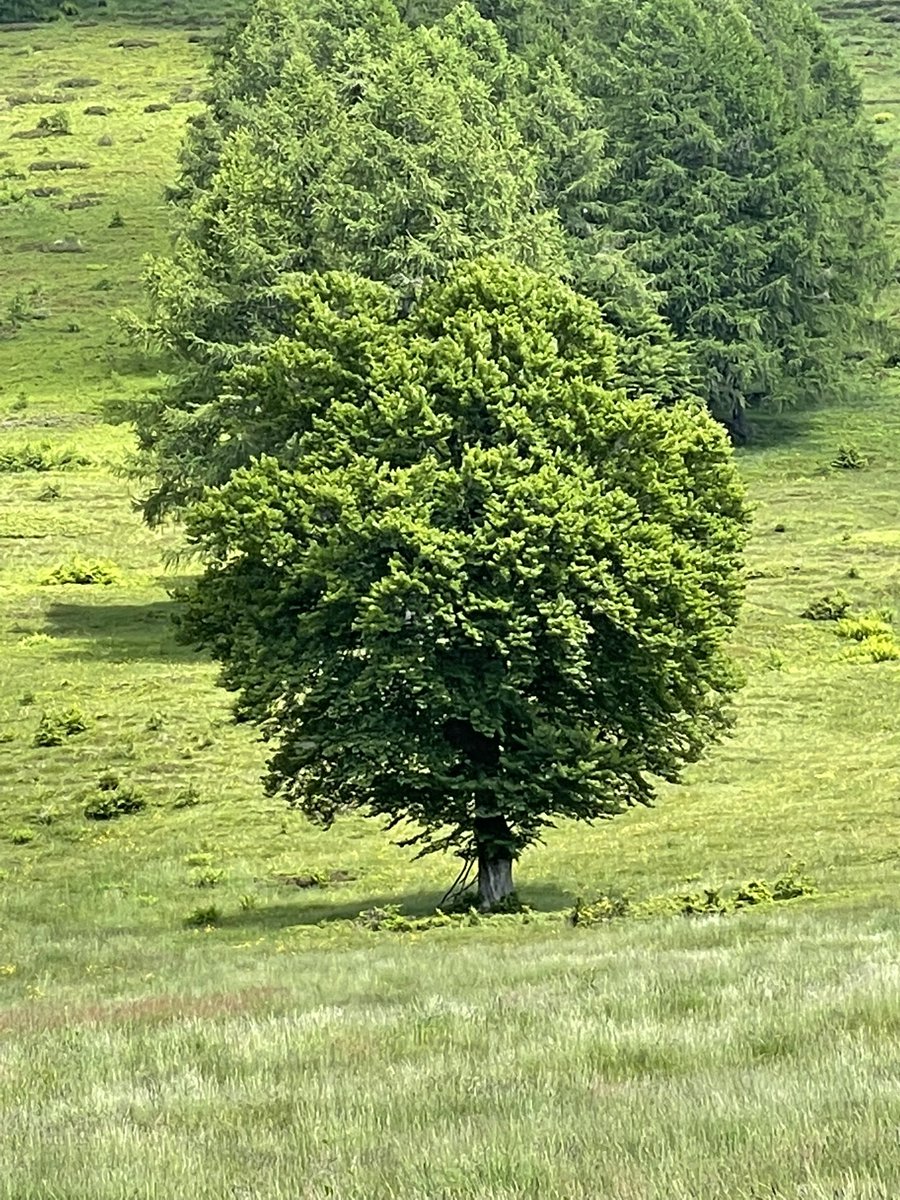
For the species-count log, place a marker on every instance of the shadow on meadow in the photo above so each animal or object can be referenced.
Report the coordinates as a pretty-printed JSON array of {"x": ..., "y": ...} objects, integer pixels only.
[
  {"x": 120, "y": 632},
  {"x": 543, "y": 898}
]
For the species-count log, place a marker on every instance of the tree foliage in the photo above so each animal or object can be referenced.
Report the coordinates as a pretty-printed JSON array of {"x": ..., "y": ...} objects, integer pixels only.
[
  {"x": 336, "y": 138},
  {"x": 489, "y": 590},
  {"x": 748, "y": 183}
]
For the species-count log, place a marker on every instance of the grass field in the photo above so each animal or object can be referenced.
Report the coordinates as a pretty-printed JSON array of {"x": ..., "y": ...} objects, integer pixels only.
[{"x": 279, "y": 1047}]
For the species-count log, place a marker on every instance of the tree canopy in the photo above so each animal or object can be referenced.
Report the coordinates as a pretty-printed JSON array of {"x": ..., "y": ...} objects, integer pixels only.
[
  {"x": 490, "y": 590},
  {"x": 336, "y": 138},
  {"x": 748, "y": 181}
]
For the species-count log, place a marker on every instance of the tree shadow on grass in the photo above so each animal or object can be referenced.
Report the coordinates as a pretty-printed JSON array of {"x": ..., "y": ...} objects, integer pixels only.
[
  {"x": 120, "y": 632},
  {"x": 281, "y": 915}
]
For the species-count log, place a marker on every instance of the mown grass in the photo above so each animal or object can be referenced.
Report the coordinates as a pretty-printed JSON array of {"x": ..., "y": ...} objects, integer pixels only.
[{"x": 282, "y": 1050}]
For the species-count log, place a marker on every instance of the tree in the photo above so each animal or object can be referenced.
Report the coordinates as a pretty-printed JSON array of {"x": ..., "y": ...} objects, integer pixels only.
[
  {"x": 490, "y": 590},
  {"x": 748, "y": 182},
  {"x": 336, "y": 139}
]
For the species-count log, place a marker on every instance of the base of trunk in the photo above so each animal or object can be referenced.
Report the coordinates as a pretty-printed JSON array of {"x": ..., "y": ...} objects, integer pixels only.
[{"x": 495, "y": 882}]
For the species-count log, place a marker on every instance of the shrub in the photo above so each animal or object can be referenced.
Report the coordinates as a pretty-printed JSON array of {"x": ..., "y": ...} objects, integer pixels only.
[
  {"x": 49, "y": 493},
  {"x": 203, "y": 918},
  {"x": 21, "y": 836},
  {"x": 117, "y": 221},
  {"x": 207, "y": 877},
  {"x": 39, "y": 457},
  {"x": 188, "y": 797},
  {"x": 56, "y": 124},
  {"x": 882, "y": 118},
  {"x": 830, "y": 607},
  {"x": 54, "y": 728},
  {"x": 880, "y": 649},
  {"x": 389, "y": 919},
  {"x": 848, "y": 458},
  {"x": 113, "y": 799},
  {"x": 858, "y": 629},
  {"x": 793, "y": 883},
  {"x": 605, "y": 908},
  {"x": 81, "y": 571}
]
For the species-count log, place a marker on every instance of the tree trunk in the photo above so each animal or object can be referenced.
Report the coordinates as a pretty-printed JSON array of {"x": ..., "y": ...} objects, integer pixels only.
[{"x": 495, "y": 862}]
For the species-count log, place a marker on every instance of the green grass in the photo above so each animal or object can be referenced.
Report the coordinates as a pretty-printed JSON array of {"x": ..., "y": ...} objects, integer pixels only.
[{"x": 283, "y": 1050}]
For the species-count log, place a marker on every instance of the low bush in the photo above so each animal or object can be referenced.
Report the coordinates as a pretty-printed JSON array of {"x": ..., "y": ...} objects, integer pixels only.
[
  {"x": 878, "y": 649},
  {"x": 112, "y": 799},
  {"x": 57, "y": 124},
  {"x": 21, "y": 836},
  {"x": 188, "y": 797},
  {"x": 858, "y": 629},
  {"x": 207, "y": 877},
  {"x": 830, "y": 607},
  {"x": 81, "y": 571},
  {"x": 203, "y": 918},
  {"x": 848, "y": 458},
  {"x": 54, "y": 728},
  {"x": 40, "y": 457}
]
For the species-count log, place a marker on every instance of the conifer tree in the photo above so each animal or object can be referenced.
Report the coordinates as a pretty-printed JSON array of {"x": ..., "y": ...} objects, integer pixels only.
[{"x": 337, "y": 138}]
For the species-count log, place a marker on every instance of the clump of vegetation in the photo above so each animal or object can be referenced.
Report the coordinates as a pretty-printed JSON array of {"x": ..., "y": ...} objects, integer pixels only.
[
  {"x": 203, "y": 918},
  {"x": 859, "y": 629},
  {"x": 849, "y": 458},
  {"x": 390, "y": 919},
  {"x": 83, "y": 571},
  {"x": 116, "y": 221},
  {"x": 21, "y": 836},
  {"x": 54, "y": 728},
  {"x": 40, "y": 457},
  {"x": 877, "y": 649},
  {"x": 56, "y": 124},
  {"x": 112, "y": 799},
  {"x": 187, "y": 797},
  {"x": 882, "y": 118},
  {"x": 603, "y": 908},
  {"x": 27, "y": 306},
  {"x": 59, "y": 164},
  {"x": 207, "y": 877},
  {"x": 316, "y": 879},
  {"x": 832, "y": 606},
  {"x": 713, "y": 901}
]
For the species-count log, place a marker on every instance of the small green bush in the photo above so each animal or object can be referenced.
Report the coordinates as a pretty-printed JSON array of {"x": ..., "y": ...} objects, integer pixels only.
[
  {"x": 830, "y": 607},
  {"x": 80, "y": 571},
  {"x": 56, "y": 124},
  {"x": 203, "y": 918},
  {"x": 858, "y": 629},
  {"x": 605, "y": 908},
  {"x": 54, "y": 728},
  {"x": 882, "y": 118},
  {"x": 793, "y": 883},
  {"x": 879, "y": 649},
  {"x": 848, "y": 458},
  {"x": 188, "y": 797},
  {"x": 40, "y": 457},
  {"x": 113, "y": 799},
  {"x": 21, "y": 836},
  {"x": 207, "y": 877}
]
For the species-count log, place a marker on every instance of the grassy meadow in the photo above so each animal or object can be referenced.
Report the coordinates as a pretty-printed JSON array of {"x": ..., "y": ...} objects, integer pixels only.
[{"x": 191, "y": 1004}]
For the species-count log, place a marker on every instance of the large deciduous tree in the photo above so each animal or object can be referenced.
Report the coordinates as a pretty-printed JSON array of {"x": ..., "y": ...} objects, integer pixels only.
[{"x": 487, "y": 589}]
